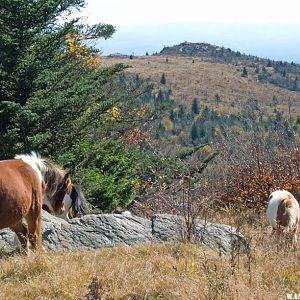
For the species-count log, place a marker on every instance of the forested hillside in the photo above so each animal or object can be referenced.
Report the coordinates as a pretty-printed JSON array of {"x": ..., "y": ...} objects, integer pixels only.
[
  {"x": 204, "y": 96},
  {"x": 252, "y": 124}
]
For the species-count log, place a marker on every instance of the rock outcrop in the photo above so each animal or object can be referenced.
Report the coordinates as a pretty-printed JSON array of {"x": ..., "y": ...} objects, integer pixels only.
[{"x": 108, "y": 230}]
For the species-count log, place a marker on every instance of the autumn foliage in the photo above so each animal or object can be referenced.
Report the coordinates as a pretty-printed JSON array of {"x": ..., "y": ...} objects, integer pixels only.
[
  {"x": 77, "y": 48},
  {"x": 254, "y": 169}
]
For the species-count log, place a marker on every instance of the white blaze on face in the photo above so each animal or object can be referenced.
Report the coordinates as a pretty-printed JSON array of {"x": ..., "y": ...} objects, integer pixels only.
[
  {"x": 67, "y": 205},
  {"x": 48, "y": 203}
]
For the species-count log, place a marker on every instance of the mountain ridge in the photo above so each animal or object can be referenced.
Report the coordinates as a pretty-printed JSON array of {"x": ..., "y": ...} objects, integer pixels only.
[
  {"x": 279, "y": 73},
  {"x": 203, "y": 49}
]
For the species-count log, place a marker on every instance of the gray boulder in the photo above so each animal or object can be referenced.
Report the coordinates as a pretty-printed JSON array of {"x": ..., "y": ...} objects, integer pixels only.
[
  {"x": 108, "y": 230},
  {"x": 220, "y": 237}
]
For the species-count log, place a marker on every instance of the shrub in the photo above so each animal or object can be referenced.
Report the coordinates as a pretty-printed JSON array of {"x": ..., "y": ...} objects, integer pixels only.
[
  {"x": 107, "y": 176},
  {"x": 252, "y": 169}
]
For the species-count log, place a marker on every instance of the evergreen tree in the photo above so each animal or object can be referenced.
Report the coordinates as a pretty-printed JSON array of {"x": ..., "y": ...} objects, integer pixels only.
[
  {"x": 217, "y": 99},
  {"x": 172, "y": 116},
  {"x": 163, "y": 79},
  {"x": 195, "y": 132},
  {"x": 202, "y": 132},
  {"x": 38, "y": 57},
  {"x": 195, "y": 106},
  {"x": 55, "y": 98},
  {"x": 244, "y": 73},
  {"x": 283, "y": 73},
  {"x": 182, "y": 112},
  {"x": 295, "y": 84},
  {"x": 31, "y": 38},
  {"x": 275, "y": 101}
]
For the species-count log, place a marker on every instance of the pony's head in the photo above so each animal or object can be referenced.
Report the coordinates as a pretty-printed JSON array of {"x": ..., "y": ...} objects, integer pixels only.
[
  {"x": 56, "y": 198},
  {"x": 57, "y": 184}
]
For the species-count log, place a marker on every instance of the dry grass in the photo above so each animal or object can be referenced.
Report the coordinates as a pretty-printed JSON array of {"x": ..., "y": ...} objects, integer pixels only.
[
  {"x": 204, "y": 79},
  {"x": 155, "y": 271}
]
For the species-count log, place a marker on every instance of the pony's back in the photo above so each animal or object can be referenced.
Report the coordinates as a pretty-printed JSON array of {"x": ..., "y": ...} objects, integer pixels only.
[
  {"x": 18, "y": 181},
  {"x": 283, "y": 209}
]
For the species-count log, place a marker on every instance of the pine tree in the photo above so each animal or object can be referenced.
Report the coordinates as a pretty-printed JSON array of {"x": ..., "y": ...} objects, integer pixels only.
[
  {"x": 195, "y": 106},
  {"x": 55, "y": 98},
  {"x": 163, "y": 79},
  {"x": 217, "y": 99},
  {"x": 244, "y": 73},
  {"x": 194, "y": 132},
  {"x": 31, "y": 38},
  {"x": 44, "y": 60},
  {"x": 274, "y": 101}
]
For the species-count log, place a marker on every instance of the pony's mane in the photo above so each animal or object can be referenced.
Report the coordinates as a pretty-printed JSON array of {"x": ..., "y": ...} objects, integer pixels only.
[
  {"x": 79, "y": 202},
  {"x": 53, "y": 175},
  {"x": 47, "y": 171},
  {"x": 36, "y": 163}
]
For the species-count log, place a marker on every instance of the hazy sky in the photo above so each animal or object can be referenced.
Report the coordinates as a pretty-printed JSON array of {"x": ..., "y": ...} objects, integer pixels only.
[
  {"x": 135, "y": 12},
  {"x": 269, "y": 29}
]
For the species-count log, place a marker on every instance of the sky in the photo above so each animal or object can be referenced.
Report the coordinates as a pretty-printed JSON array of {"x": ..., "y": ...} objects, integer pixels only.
[
  {"x": 137, "y": 12},
  {"x": 270, "y": 29}
]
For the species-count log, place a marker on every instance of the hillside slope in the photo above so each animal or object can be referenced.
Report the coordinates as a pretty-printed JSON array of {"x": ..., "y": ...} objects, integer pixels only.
[{"x": 221, "y": 86}]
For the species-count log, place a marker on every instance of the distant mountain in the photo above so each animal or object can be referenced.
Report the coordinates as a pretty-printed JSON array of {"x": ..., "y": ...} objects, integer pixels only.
[
  {"x": 206, "y": 50},
  {"x": 205, "y": 96},
  {"x": 276, "y": 41},
  {"x": 283, "y": 74}
]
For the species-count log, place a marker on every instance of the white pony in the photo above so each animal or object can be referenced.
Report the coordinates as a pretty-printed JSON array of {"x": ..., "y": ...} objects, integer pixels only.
[{"x": 283, "y": 213}]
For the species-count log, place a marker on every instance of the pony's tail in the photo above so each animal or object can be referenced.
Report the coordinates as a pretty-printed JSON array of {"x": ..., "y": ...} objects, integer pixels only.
[{"x": 39, "y": 240}]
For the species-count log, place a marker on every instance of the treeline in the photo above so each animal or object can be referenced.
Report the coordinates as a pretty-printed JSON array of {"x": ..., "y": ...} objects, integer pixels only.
[
  {"x": 199, "y": 123},
  {"x": 254, "y": 151}
]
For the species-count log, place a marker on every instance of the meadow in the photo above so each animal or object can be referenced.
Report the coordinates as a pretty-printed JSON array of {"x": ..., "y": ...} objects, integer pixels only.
[
  {"x": 202, "y": 78},
  {"x": 180, "y": 270}
]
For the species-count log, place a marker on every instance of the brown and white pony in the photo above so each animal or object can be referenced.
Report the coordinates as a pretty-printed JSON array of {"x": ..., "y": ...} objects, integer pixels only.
[
  {"x": 23, "y": 181},
  {"x": 283, "y": 213}
]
